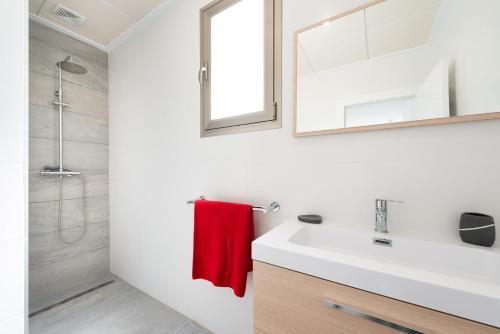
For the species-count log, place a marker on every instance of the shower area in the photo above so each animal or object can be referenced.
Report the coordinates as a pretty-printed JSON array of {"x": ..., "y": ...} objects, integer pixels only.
[
  {"x": 68, "y": 179},
  {"x": 71, "y": 289}
]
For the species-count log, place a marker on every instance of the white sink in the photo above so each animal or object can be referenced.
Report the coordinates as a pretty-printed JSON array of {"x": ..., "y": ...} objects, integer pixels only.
[
  {"x": 457, "y": 260},
  {"x": 448, "y": 276}
]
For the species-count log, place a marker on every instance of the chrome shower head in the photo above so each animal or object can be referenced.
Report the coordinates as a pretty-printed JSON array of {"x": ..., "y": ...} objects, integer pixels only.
[{"x": 68, "y": 66}]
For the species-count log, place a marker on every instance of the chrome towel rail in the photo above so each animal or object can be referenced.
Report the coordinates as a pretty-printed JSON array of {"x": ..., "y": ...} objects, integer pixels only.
[{"x": 273, "y": 207}]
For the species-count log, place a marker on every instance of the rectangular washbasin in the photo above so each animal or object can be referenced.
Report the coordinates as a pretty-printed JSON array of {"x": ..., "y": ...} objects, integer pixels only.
[
  {"x": 448, "y": 276},
  {"x": 456, "y": 259}
]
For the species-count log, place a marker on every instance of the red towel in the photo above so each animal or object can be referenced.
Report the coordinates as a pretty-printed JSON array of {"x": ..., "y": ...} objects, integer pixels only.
[{"x": 223, "y": 235}]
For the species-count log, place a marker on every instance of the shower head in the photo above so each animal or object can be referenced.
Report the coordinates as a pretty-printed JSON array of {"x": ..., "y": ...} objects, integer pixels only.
[{"x": 68, "y": 66}]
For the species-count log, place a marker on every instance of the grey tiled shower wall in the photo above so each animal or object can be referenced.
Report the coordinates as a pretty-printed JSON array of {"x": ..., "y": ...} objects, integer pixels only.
[{"x": 59, "y": 271}]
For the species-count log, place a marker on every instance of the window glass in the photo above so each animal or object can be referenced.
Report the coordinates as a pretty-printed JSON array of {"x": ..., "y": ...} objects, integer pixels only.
[{"x": 237, "y": 69}]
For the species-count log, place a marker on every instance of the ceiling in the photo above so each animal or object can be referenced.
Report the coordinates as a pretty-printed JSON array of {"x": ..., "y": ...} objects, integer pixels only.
[
  {"x": 388, "y": 27},
  {"x": 105, "y": 19}
]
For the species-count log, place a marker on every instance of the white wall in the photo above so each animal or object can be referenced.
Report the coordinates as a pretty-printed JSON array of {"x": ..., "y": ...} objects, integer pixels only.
[
  {"x": 158, "y": 161},
  {"x": 13, "y": 122}
]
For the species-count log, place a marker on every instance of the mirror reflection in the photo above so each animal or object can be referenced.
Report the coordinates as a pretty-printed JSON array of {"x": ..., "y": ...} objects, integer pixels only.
[{"x": 399, "y": 61}]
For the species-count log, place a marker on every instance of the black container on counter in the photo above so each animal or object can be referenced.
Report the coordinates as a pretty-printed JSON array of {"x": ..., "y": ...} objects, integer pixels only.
[{"x": 477, "y": 229}]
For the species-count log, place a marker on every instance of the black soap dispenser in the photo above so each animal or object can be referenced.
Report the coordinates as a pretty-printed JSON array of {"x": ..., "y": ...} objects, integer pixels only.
[{"x": 477, "y": 229}]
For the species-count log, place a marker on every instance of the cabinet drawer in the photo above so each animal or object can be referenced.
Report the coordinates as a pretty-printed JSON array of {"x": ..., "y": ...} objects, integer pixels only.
[{"x": 289, "y": 302}]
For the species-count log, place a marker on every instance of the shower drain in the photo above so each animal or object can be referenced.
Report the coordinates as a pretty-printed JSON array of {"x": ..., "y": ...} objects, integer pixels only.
[{"x": 45, "y": 309}]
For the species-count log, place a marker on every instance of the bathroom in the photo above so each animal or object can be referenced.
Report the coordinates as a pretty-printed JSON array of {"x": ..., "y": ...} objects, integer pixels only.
[{"x": 98, "y": 231}]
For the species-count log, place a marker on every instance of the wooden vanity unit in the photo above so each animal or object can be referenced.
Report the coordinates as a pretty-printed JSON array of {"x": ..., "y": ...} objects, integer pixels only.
[{"x": 288, "y": 302}]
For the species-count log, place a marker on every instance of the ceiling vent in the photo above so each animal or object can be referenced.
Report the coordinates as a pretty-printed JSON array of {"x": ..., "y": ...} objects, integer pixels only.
[{"x": 68, "y": 15}]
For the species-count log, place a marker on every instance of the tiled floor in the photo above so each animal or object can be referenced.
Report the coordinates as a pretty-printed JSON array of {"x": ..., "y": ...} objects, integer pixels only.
[{"x": 118, "y": 308}]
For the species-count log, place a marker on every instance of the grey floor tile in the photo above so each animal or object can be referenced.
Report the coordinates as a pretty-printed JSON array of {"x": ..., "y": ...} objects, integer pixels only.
[
  {"x": 117, "y": 308},
  {"x": 192, "y": 328}
]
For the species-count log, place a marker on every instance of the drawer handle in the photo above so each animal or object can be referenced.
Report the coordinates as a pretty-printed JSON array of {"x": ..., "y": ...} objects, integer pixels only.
[{"x": 330, "y": 304}]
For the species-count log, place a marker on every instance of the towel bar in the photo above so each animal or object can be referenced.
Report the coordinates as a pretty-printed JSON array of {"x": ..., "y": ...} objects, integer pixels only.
[{"x": 274, "y": 206}]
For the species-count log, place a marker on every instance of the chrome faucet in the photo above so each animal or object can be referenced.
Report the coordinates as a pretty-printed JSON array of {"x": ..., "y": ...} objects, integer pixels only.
[{"x": 381, "y": 214}]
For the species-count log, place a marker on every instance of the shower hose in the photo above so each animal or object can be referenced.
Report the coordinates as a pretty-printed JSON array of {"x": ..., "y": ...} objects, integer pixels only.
[{"x": 59, "y": 215}]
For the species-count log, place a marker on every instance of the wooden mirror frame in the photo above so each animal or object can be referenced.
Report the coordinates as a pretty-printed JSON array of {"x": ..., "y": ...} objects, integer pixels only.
[{"x": 407, "y": 124}]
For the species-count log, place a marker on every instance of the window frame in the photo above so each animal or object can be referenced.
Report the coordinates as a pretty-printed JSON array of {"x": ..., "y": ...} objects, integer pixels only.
[{"x": 270, "y": 117}]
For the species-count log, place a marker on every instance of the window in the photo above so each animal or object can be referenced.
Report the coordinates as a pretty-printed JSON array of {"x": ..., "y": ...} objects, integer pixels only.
[{"x": 240, "y": 72}]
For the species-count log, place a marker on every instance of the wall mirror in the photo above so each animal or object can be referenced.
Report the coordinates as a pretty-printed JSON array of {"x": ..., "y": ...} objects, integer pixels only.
[{"x": 398, "y": 63}]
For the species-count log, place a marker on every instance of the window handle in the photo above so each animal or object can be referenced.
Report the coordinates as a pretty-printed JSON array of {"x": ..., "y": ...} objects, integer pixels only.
[{"x": 203, "y": 73}]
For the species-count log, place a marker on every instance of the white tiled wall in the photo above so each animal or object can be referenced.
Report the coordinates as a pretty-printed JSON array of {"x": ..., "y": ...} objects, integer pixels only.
[
  {"x": 11, "y": 201},
  {"x": 13, "y": 125}
]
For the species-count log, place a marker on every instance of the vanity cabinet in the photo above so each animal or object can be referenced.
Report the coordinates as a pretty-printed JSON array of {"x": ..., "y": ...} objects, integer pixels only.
[{"x": 288, "y": 302}]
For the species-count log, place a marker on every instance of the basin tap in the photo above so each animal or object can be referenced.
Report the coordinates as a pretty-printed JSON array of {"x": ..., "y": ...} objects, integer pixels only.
[{"x": 381, "y": 214}]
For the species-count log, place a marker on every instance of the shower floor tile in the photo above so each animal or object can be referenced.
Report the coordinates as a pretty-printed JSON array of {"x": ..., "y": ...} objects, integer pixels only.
[{"x": 117, "y": 308}]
